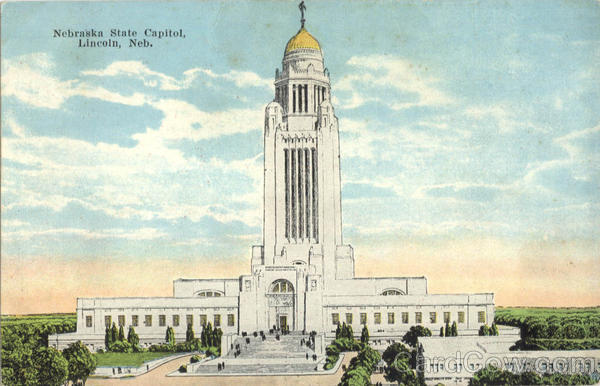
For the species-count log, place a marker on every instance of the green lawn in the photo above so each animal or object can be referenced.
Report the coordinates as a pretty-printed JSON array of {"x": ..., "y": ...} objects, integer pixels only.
[{"x": 128, "y": 359}]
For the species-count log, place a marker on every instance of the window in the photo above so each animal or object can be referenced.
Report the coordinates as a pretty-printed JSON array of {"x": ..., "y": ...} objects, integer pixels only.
[
  {"x": 121, "y": 319},
  {"x": 217, "y": 320},
  {"x": 377, "y": 317},
  {"x": 391, "y": 318},
  {"x": 405, "y": 317},
  {"x": 446, "y": 317},
  {"x": 335, "y": 318},
  {"x": 461, "y": 317},
  {"x": 432, "y": 317},
  {"x": 418, "y": 317},
  {"x": 134, "y": 320},
  {"x": 107, "y": 320},
  {"x": 175, "y": 320},
  {"x": 88, "y": 321},
  {"x": 231, "y": 320},
  {"x": 189, "y": 319},
  {"x": 392, "y": 292},
  {"x": 209, "y": 294},
  {"x": 481, "y": 317},
  {"x": 282, "y": 285},
  {"x": 349, "y": 318},
  {"x": 203, "y": 320},
  {"x": 148, "y": 320},
  {"x": 162, "y": 320},
  {"x": 363, "y": 318},
  {"x": 248, "y": 285}
]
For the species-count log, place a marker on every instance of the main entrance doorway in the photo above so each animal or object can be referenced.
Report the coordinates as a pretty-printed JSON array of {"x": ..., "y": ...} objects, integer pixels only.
[
  {"x": 282, "y": 322},
  {"x": 281, "y": 305}
]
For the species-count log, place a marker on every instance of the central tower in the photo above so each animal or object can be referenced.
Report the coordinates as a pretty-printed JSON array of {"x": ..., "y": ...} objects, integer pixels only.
[{"x": 302, "y": 195}]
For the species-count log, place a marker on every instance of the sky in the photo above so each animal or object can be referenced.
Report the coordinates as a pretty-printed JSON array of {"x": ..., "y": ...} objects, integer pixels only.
[{"x": 469, "y": 135}]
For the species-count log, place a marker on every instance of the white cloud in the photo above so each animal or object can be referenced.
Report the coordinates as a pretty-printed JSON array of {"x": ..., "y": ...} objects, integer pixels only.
[
  {"x": 139, "y": 182},
  {"x": 183, "y": 120},
  {"x": 151, "y": 78},
  {"x": 378, "y": 72},
  {"x": 29, "y": 79},
  {"x": 430, "y": 229},
  {"x": 115, "y": 233}
]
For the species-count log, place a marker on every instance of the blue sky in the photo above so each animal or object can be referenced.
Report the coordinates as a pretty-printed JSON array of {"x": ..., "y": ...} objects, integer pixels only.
[{"x": 459, "y": 121}]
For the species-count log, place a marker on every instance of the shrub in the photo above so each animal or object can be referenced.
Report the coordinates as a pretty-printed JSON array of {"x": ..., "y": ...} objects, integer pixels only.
[
  {"x": 183, "y": 368},
  {"x": 195, "y": 359},
  {"x": 120, "y": 346}
]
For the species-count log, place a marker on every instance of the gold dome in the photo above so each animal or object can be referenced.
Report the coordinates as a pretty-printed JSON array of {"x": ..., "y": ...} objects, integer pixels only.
[{"x": 302, "y": 40}]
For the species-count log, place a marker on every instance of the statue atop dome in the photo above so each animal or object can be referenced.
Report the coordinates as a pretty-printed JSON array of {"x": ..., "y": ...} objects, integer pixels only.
[{"x": 302, "y": 8}]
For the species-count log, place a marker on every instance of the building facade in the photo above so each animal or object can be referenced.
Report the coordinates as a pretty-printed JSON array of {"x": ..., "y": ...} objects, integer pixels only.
[{"x": 302, "y": 276}]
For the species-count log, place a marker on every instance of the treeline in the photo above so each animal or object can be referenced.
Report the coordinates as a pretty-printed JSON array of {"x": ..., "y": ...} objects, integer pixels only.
[
  {"x": 209, "y": 341},
  {"x": 26, "y": 359},
  {"x": 535, "y": 344},
  {"x": 492, "y": 375},
  {"x": 549, "y": 323}
]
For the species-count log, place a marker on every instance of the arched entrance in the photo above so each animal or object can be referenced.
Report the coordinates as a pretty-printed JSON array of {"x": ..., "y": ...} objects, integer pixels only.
[{"x": 281, "y": 303}]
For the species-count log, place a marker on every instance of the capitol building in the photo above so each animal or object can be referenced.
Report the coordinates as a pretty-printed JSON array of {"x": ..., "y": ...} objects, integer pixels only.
[{"x": 302, "y": 277}]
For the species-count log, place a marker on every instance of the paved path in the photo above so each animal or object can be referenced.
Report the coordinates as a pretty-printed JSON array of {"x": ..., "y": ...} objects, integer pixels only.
[{"x": 158, "y": 377}]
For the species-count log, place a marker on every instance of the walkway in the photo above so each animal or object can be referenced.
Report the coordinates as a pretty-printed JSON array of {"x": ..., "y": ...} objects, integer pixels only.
[{"x": 157, "y": 377}]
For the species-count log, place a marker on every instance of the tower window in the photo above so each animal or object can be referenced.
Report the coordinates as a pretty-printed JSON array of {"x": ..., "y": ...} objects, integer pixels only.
[{"x": 294, "y": 97}]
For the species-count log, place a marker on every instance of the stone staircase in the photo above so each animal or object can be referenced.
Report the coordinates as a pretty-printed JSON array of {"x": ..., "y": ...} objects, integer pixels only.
[
  {"x": 253, "y": 355},
  {"x": 288, "y": 346}
]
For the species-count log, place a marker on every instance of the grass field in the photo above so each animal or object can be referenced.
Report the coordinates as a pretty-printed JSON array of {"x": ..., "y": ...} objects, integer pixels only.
[{"x": 128, "y": 359}]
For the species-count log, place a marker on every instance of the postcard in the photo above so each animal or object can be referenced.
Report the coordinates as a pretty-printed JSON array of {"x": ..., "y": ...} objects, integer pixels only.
[{"x": 275, "y": 192}]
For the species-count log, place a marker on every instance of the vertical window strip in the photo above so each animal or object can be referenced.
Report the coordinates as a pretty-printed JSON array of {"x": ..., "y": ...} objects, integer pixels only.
[
  {"x": 307, "y": 184},
  {"x": 300, "y": 194},
  {"x": 293, "y": 183},
  {"x": 294, "y": 97},
  {"x": 305, "y": 98},
  {"x": 315, "y": 192},
  {"x": 286, "y": 156}
]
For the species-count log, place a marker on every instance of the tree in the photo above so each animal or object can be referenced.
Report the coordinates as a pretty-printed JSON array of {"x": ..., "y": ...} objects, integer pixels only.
[
  {"x": 132, "y": 337},
  {"x": 114, "y": 333},
  {"x": 364, "y": 335},
  {"x": 484, "y": 330},
  {"x": 107, "y": 338},
  {"x": 454, "y": 329},
  {"x": 447, "y": 331},
  {"x": 410, "y": 338},
  {"x": 494, "y": 329},
  {"x": 81, "y": 362},
  {"x": 121, "y": 334},
  {"x": 442, "y": 331},
  {"x": 338, "y": 331},
  {"x": 189, "y": 333},
  {"x": 397, "y": 357},
  {"x": 206, "y": 335},
  {"x": 349, "y": 332},
  {"x": 51, "y": 367},
  {"x": 170, "y": 336}
]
